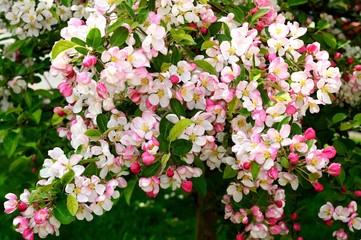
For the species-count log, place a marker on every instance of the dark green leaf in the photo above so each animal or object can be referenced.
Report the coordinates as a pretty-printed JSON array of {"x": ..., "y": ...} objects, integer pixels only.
[
  {"x": 215, "y": 28},
  {"x": 261, "y": 12},
  {"x": 286, "y": 120},
  {"x": 115, "y": 25},
  {"x": 177, "y": 107},
  {"x": 181, "y": 147},
  {"x": 151, "y": 170},
  {"x": 10, "y": 143},
  {"x": 165, "y": 126},
  {"x": 200, "y": 184},
  {"x": 229, "y": 172},
  {"x": 330, "y": 40},
  {"x": 94, "y": 38},
  {"x": 67, "y": 178},
  {"x": 206, "y": 66},
  {"x": 142, "y": 15},
  {"x": 119, "y": 36},
  {"x": 296, "y": 2},
  {"x": 62, "y": 214},
  {"x": 128, "y": 191},
  {"x": 102, "y": 122}
]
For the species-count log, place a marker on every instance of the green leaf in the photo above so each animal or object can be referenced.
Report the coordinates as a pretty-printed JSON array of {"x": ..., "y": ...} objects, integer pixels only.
[
  {"x": 357, "y": 118},
  {"x": 165, "y": 126},
  {"x": 94, "y": 38},
  {"x": 206, "y": 66},
  {"x": 181, "y": 147},
  {"x": 323, "y": 24},
  {"x": 66, "y": 3},
  {"x": 93, "y": 133},
  {"x": 67, "y": 178},
  {"x": 261, "y": 12},
  {"x": 286, "y": 120},
  {"x": 178, "y": 128},
  {"x": 340, "y": 147},
  {"x": 338, "y": 117},
  {"x": 142, "y": 15},
  {"x": 238, "y": 14},
  {"x": 229, "y": 172},
  {"x": 232, "y": 105},
  {"x": 344, "y": 126},
  {"x": 102, "y": 122},
  {"x": 72, "y": 204},
  {"x": 285, "y": 163},
  {"x": 78, "y": 41},
  {"x": 163, "y": 144},
  {"x": 165, "y": 66},
  {"x": 119, "y": 36},
  {"x": 295, "y": 129},
  {"x": 181, "y": 37},
  {"x": 207, "y": 44},
  {"x": 60, "y": 47},
  {"x": 56, "y": 119},
  {"x": 15, "y": 46},
  {"x": 115, "y": 25},
  {"x": 255, "y": 168},
  {"x": 215, "y": 28},
  {"x": 62, "y": 214},
  {"x": 151, "y": 170},
  {"x": 330, "y": 40},
  {"x": 36, "y": 116},
  {"x": 199, "y": 163},
  {"x": 296, "y": 2},
  {"x": 10, "y": 143},
  {"x": 177, "y": 107},
  {"x": 200, "y": 184},
  {"x": 128, "y": 191},
  {"x": 341, "y": 178},
  {"x": 18, "y": 163}
]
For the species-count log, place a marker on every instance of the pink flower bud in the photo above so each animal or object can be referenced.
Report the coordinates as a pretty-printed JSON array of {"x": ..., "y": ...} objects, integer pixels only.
[
  {"x": 294, "y": 216},
  {"x": 65, "y": 89},
  {"x": 300, "y": 238},
  {"x": 329, "y": 151},
  {"x": 246, "y": 165},
  {"x": 350, "y": 60},
  {"x": 310, "y": 134},
  {"x": 357, "y": 193},
  {"x": 187, "y": 186},
  {"x": 271, "y": 220},
  {"x": 293, "y": 157},
  {"x": 311, "y": 48},
  {"x": 134, "y": 95},
  {"x": 28, "y": 234},
  {"x": 290, "y": 110},
  {"x": 102, "y": 90},
  {"x": 204, "y": 30},
  {"x": 329, "y": 222},
  {"x": 358, "y": 67},
  {"x": 273, "y": 173},
  {"x": 174, "y": 79},
  {"x": 343, "y": 189},
  {"x": 147, "y": 158},
  {"x": 275, "y": 230},
  {"x": 151, "y": 194},
  {"x": 89, "y": 61},
  {"x": 83, "y": 77},
  {"x": 318, "y": 186},
  {"x": 218, "y": 127},
  {"x": 302, "y": 49},
  {"x": 193, "y": 25},
  {"x": 337, "y": 56},
  {"x": 22, "y": 206},
  {"x": 41, "y": 216},
  {"x": 135, "y": 168},
  {"x": 271, "y": 56},
  {"x": 334, "y": 169},
  {"x": 240, "y": 236},
  {"x": 170, "y": 172},
  {"x": 279, "y": 203},
  {"x": 297, "y": 227},
  {"x": 253, "y": 11}
]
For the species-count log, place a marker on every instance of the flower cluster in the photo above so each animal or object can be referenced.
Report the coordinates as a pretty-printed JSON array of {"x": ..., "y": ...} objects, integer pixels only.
[
  {"x": 146, "y": 101},
  {"x": 31, "y": 18},
  {"x": 329, "y": 214}
]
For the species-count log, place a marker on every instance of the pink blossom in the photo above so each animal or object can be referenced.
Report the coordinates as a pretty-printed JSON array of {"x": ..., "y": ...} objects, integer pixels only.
[
  {"x": 279, "y": 68},
  {"x": 340, "y": 234},
  {"x": 41, "y": 216},
  {"x": 334, "y": 169},
  {"x": 310, "y": 134},
  {"x": 89, "y": 61},
  {"x": 83, "y": 78},
  {"x": 65, "y": 89},
  {"x": 10, "y": 205},
  {"x": 187, "y": 186},
  {"x": 28, "y": 234},
  {"x": 329, "y": 151}
]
